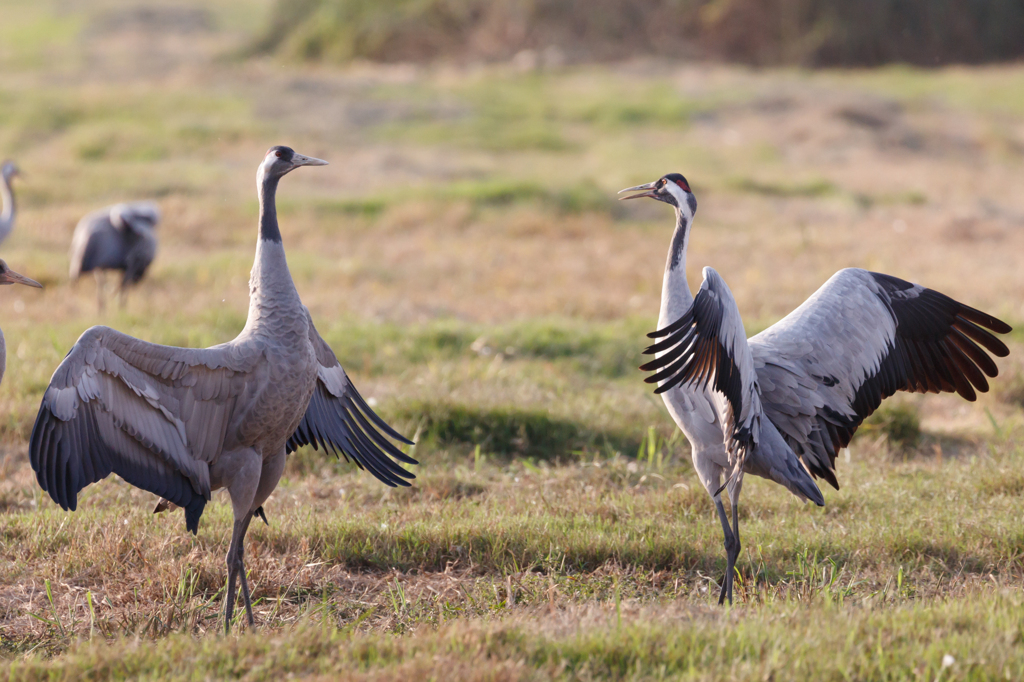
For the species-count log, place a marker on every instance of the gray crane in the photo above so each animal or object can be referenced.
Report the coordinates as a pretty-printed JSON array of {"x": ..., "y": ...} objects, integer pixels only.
[
  {"x": 8, "y": 276},
  {"x": 119, "y": 237},
  {"x": 8, "y": 171},
  {"x": 781, "y": 404},
  {"x": 183, "y": 422}
]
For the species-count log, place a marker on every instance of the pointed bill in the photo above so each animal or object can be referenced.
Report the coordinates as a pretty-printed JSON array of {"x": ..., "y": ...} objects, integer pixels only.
[
  {"x": 649, "y": 186},
  {"x": 11, "y": 277},
  {"x": 301, "y": 160}
]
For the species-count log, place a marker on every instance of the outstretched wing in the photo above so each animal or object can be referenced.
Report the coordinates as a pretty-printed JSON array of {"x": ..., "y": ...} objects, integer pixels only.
[
  {"x": 96, "y": 243},
  {"x": 340, "y": 420},
  {"x": 138, "y": 216},
  {"x": 859, "y": 339},
  {"x": 155, "y": 415},
  {"x": 708, "y": 347}
]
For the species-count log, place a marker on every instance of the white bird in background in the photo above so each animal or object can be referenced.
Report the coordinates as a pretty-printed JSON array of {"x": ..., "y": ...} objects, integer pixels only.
[
  {"x": 8, "y": 171},
  {"x": 183, "y": 422},
  {"x": 120, "y": 237},
  {"x": 8, "y": 276},
  {"x": 782, "y": 404}
]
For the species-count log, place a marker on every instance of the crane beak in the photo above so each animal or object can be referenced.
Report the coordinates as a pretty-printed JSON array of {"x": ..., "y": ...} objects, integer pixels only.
[
  {"x": 11, "y": 277},
  {"x": 300, "y": 160},
  {"x": 649, "y": 186}
]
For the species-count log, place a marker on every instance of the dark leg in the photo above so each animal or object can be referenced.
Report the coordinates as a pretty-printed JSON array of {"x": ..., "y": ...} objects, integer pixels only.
[
  {"x": 732, "y": 549},
  {"x": 734, "y": 504},
  {"x": 235, "y": 566},
  {"x": 100, "y": 278},
  {"x": 239, "y": 470},
  {"x": 245, "y": 582}
]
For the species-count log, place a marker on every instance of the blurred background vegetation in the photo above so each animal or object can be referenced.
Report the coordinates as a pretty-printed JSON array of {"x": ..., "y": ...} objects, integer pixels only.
[{"x": 772, "y": 32}]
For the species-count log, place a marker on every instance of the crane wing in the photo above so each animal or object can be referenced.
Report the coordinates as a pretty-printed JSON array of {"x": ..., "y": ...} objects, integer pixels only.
[
  {"x": 707, "y": 347},
  {"x": 138, "y": 216},
  {"x": 859, "y": 339},
  {"x": 96, "y": 243},
  {"x": 339, "y": 420},
  {"x": 155, "y": 415}
]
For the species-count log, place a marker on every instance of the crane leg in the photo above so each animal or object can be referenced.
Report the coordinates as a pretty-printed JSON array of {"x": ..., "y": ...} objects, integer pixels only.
[
  {"x": 236, "y": 573},
  {"x": 240, "y": 470},
  {"x": 245, "y": 582},
  {"x": 732, "y": 546},
  {"x": 100, "y": 277}
]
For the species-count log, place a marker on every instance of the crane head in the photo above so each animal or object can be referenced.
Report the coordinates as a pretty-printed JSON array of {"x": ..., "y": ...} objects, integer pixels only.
[
  {"x": 281, "y": 160},
  {"x": 9, "y": 170},
  {"x": 672, "y": 189},
  {"x": 8, "y": 276}
]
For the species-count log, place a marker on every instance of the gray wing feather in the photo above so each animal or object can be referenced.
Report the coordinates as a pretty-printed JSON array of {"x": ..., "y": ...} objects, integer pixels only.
[
  {"x": 861, "y": 337},
  {"x": 339, "y": 420},
  {"x": 707, "y": 347},
  {"x": 155, "y": 415}
]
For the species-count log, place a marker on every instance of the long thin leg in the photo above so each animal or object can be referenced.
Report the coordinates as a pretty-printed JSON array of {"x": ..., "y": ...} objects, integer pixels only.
[
  {"x": 732, "y": 549},
  {"x": 734, "y": 504},
  {"x": 245, "y": 582},
  {"x": 100, "y": 278},
  {"x": 241, "y": 469},
  {"x": 234, "y": 562}
]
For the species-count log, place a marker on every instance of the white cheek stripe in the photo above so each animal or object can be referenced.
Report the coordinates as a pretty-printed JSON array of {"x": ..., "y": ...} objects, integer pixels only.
[
  {"x": 264, "y": 167},
  {"x": 679, "y": 195}
]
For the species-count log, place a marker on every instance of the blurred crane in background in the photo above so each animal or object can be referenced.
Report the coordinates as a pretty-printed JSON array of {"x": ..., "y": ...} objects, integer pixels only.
[
  {"x": 8, "y": 171},
  {"x": 783, "y": 404},
  {"x": 120, "y": 237},
  {"x": 8, "y": 276}
]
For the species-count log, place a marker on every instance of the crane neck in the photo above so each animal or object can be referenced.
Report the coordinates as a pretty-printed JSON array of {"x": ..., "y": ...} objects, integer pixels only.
[
  {"x": 7, "y": 215},
  {"x": 675, "y": 290},
  {"x": 274, "y": 303},
  {"x": 267, "y": 190}
]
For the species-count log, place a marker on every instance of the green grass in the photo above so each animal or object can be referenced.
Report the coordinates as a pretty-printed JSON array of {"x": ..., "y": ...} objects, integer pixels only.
[
  {"x": 602, "y": 569},
  {"x": 466, "y": 259},
  {"x": 538, "y": 112},
  {"x": 509, "y": 431},
  {"x": 973, "y": 639},
  {"x": 899, "y": 423}
]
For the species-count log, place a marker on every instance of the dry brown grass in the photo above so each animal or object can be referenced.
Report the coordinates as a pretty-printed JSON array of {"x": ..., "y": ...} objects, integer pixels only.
[{"x": 473, "y": 209}]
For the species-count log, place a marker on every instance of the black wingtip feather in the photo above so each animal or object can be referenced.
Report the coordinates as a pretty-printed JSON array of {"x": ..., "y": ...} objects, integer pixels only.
[
  {"x": 685, "y": 319},
  {"x": 346, "y": 426},
  {"x": 984, "y": 319},
  {"x": 937, "y": 347},
  {"x": 365, "y": 407}
]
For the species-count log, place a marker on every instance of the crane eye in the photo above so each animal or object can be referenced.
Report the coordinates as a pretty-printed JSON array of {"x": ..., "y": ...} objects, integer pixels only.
[{"x": 278, "y": 154}]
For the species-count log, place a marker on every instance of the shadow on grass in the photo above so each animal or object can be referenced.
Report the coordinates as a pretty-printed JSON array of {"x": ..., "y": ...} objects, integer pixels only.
[{"x": 513, "y": 432}]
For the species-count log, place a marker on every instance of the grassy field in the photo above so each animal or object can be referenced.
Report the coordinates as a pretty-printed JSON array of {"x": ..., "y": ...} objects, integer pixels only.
[{"x": 466, "y": 258}]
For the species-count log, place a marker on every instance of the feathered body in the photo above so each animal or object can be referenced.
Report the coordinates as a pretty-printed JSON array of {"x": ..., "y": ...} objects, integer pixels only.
[
  {"x": 182, "y": 422},
  {"x": 783, "y": 403},
  {"x": 120, "y": 237}
]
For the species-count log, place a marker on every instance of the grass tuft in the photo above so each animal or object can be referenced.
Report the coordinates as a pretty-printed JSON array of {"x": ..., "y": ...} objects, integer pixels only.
[
  {"x": 899, "y": 423},
  {"x": 509, "y": 431}
]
